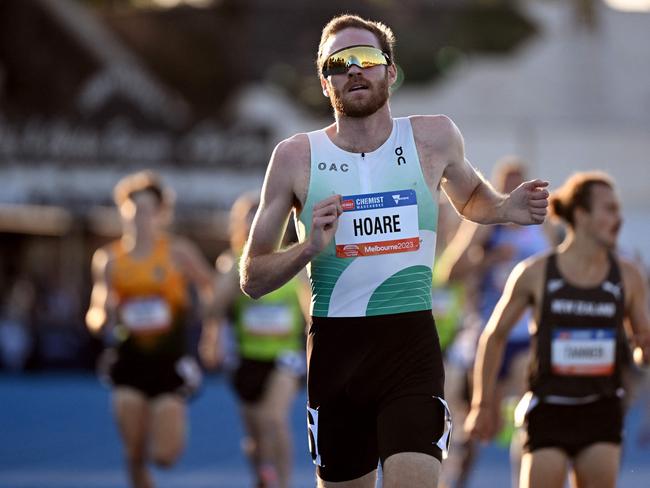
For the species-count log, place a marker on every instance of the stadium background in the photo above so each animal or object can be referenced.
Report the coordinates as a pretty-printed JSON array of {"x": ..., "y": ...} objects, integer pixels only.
[{"x": 201, "y": 91}]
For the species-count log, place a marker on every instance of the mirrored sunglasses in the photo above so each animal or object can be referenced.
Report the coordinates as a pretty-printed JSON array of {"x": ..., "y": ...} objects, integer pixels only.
[{"x": 339, "y": 62}]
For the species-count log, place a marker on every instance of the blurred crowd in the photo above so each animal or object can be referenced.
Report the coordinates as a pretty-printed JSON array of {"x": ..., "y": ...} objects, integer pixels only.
[{"x": 41, "y": 325}]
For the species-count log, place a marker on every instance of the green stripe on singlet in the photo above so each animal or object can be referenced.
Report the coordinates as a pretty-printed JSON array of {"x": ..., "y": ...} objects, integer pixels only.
[
  {"x": 406, "y": 291},
  {"x": 328, "y": 268}
]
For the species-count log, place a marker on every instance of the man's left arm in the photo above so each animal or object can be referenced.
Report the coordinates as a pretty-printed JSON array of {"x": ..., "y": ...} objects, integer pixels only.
[{"x": 474, "y": 197}]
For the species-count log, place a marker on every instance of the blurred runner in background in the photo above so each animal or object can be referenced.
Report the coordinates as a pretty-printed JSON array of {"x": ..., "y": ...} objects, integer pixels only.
[
  {"x": 581, "y": 295},
  {"x": 487, "y": 255},
  {"x": 269, "y": 338},
  {"x": 140, "y": 299},
  {"x": 452, "y": 308}
]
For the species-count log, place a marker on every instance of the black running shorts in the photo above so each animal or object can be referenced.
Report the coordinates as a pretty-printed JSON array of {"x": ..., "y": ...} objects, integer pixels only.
[
  {"x": 375, "y": 388},
  {"x": 153, "y": 376},
  {"x": 250, "y": 379},
  {"x": 573, "y": 428}
]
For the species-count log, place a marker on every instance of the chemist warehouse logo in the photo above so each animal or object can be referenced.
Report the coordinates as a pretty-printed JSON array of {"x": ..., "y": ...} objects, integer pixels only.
[{"x": 347, "y": 205}]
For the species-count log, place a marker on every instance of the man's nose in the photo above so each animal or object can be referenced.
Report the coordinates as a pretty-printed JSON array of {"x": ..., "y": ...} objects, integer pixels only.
[{"x": 353, "y": 70}]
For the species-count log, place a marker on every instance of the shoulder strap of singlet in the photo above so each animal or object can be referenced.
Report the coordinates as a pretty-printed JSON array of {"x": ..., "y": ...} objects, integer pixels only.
[
  {"x": 551, "y": 273},
  {"x": 162, "y": 248},
  {"x": 552, "y": 270},
  {"x": 117, "y": 248},
  {"x": 614, "y": 269},
  {"x": 318, "y": 140},
  {"x": 615, "y": 278}
]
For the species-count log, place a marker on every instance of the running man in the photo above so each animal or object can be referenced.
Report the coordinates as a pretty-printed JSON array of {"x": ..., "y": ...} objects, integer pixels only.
[
  {"x": 364, "y": 191},
  {"x": 580, "y": 295},
  {"x": 140, "y": 296},
  {"x": 270, "y": 341}
]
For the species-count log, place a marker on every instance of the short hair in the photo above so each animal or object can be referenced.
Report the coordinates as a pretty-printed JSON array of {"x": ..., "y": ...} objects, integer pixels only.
[
  {"x": 143, "y": 181},
  {"x": 576, "y": 193},
  {"x": 384, "y": 34}
]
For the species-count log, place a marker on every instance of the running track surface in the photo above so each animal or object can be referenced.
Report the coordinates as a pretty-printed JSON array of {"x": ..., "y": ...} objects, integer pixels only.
[{"x": 56, "y": 432}]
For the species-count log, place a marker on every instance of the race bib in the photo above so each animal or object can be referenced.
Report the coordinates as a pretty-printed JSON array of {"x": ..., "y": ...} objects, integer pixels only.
[
  {"x": 378, "y": 223},
  {"x": 268, "y": 320},
  {"x": 580, "y": 352},
  {"x": 146, "y": 314}
]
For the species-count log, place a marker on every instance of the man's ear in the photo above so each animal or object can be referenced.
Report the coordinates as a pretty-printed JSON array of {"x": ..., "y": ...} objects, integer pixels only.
[
  {"x": 580, "y": 215},
  {"x": 392, "y": 74},
  {"x": 323, "y": 85}
]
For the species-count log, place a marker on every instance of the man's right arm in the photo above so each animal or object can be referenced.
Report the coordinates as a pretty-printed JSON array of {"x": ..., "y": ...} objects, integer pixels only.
[
  {"x": 264, "y": 267},
  {"x": 469, "y": 192}
]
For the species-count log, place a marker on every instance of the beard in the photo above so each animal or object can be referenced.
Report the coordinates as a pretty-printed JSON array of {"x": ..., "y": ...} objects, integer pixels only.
[{"x": 361, "y": 108}]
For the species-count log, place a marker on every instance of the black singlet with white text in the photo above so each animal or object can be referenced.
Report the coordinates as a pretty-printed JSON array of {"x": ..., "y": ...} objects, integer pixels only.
[{"x": 579, "y": 346}]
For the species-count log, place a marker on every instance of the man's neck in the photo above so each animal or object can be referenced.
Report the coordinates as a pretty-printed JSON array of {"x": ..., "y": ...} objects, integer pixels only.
[
  {"x": 362, "y": 134},
  {"x": 584, "y": 250},
  {"x": 139, "y": 242}
]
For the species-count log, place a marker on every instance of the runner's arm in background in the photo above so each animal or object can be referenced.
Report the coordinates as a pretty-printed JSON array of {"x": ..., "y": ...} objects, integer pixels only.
[
  {"x": 264, "y": 267},
  {"x": 199, "y": 272},
  {"x": 102, "y": 309},
  {"x": 459, "y": 258},
  {"x": 636, "y": 289},
  {"x": 211, "y": 348},
  {"x": 516, "y": 298}
]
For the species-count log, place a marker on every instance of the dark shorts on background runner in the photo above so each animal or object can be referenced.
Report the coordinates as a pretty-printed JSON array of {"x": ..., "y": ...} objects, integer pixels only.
[
  {"x": 375, "y": 386},
  {"x": 250, "y": 379},
  {"x": 154, "y": 377},
  {"x": 573, "y": 428}
]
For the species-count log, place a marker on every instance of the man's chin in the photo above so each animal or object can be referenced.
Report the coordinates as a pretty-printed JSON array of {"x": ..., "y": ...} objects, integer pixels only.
[
  {"x": 361, "y": 107},
  {"x": 360, "y": 113},
  {"x": 610, "y": 244},
  {"x": 359, "y": 110}
]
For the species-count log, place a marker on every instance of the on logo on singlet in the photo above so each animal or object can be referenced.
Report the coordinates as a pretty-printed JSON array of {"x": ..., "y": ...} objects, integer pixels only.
[{"x": 378, "y": 223}]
